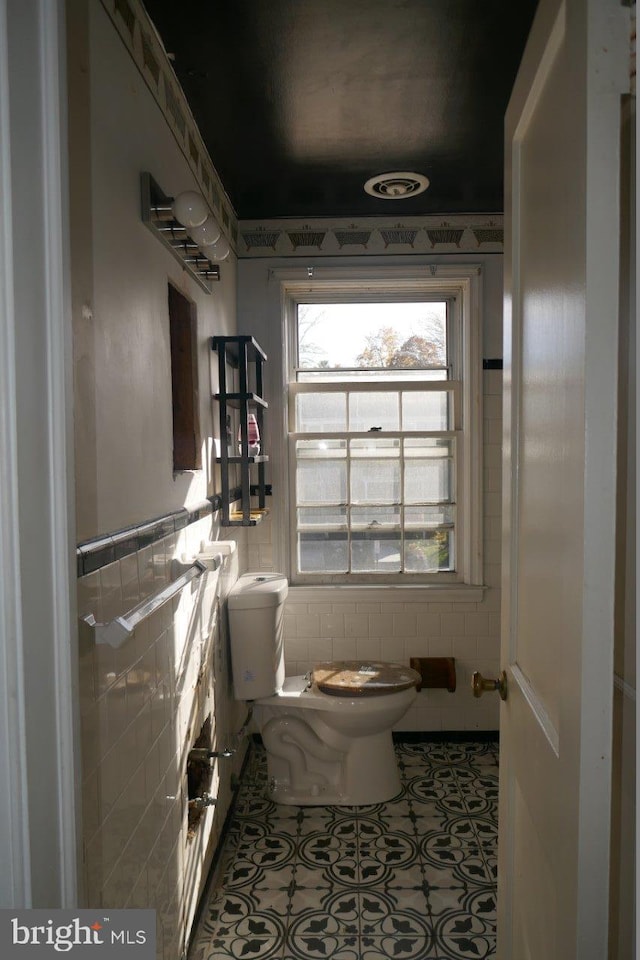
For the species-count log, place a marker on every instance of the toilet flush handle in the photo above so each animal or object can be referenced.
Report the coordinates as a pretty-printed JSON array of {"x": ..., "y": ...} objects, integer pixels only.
[{"x": 481, "y": 684}]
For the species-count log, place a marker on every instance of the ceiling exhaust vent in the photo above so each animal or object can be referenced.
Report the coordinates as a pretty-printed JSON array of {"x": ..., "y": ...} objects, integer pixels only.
[{"x": 396, "y": 186}]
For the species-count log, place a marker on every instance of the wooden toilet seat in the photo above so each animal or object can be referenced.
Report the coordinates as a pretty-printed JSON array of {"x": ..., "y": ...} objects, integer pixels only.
[{"x": 362, "y": 678}]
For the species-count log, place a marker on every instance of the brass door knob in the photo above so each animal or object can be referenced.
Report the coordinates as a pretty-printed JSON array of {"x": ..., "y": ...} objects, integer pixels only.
[{"x": 480, "y": 684}]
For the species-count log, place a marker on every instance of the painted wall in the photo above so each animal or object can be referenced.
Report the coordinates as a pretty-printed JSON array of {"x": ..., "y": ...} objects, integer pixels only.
[
  {"x": 392, "y": 624},
  {"x": 123, "y": 408},
  {"x": 142, "y": 705}
]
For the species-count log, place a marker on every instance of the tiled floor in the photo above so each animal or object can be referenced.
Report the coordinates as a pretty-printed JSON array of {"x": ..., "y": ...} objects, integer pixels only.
[{"x": 414, "y": 878}]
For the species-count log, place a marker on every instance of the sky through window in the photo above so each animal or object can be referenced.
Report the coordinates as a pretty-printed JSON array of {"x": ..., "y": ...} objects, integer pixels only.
[{"x": 335, "y": 335}]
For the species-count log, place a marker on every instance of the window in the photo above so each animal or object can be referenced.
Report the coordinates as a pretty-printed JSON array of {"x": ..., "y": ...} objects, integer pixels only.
[{"x": 383, "y": 434}]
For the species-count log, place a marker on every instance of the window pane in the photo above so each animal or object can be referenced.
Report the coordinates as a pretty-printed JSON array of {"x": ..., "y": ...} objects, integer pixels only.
[
  {"x": 375, "y": 553},
  {"x": 429, "y": 551},
  {"x": 321, "y": 481},
  {"x": 428, "y": 470},
  {"x": 373, "y": 411},
  {"x": 424, "y": 410},
  {"x": 323, "y": 553},
  {"x": 321, "y": 412},
  {"x": 372, "y": 518},
  {"x": 429, "y": 447},
  {"x": 427, "y": 481},
  {"x": 375, "y": 481},
  {"x": 314, "y": 519},
  {"x": 383, "y": 447},
  {"x": 421, "y": 518},
  {"x": 321, "y": 449},
  {"x": 391, "y": 336}
]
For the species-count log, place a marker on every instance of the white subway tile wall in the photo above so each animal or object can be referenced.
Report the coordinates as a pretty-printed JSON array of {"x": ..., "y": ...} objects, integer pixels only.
[
  {"x": 142, "y": 706},
  {"x": 402, "y": 628}
]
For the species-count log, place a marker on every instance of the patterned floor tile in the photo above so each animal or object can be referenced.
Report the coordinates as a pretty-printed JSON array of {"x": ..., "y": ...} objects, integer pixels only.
[
  {"x": 486, "y": 829},
  {"x": 230, "y": 912},
  {"x": 306, "y": 879},
  {"x": 394, "y": 850},
  {"x": 404, "y": 947},
  {"x": 322, "y": 948},
  {"x": 444, "y": 900},
  {"x": 314, "y": 820},
  {"x": 272, "y": 851},
  {"x": 450, "y": 832},
  {"x": 482, "y": 904},
  {"x": 466, "y": 948},
  {"x": 446, "y": 876},
  {"x": 245, "y": 948},
  {"x": 412, "y": 878}
]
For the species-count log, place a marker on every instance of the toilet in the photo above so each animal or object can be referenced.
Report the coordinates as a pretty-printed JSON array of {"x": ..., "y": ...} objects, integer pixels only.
[{"x": 327, "y": 735}]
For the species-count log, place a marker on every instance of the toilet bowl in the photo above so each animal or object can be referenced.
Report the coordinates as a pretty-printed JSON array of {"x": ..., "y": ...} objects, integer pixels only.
[{"x": 327, "y": 735}]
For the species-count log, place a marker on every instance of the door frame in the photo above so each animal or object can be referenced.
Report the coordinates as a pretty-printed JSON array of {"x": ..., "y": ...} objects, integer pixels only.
[{"x": 39, "y": 742}]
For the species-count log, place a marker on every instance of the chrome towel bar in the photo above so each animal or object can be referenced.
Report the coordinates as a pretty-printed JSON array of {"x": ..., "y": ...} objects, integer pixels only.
[{"x": 120, "y": 628}]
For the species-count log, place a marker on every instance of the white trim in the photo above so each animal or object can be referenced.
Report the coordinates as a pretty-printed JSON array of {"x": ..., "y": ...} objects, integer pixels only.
[
  {"x": 383, "y": 386},
  {"x": 459, "y": 283},
  {"x": 387, "y": 593},
  {"x": 37, "y": 627},
  {"x": 375, "y": 278},
  {"x": 59, "y": 472},
  {"x": 15, "y": 876},
  {"x": 405, "y": 280}
]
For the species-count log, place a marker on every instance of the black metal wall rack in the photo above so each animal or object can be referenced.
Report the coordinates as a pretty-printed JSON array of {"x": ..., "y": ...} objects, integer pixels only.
[{"x": 240, "y": 358}]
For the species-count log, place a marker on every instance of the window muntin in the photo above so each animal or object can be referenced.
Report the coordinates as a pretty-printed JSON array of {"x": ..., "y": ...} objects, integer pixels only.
[{"x": 375, "y": 449}]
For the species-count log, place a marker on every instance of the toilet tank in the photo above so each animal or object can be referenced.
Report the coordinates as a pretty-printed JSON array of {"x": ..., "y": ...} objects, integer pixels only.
[{"x": 256, "y": 634}]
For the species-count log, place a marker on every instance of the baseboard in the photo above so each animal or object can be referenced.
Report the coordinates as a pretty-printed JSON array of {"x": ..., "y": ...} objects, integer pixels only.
[
  {"x": 446, "y": 736},
  {"x": 433, "y": 736}
]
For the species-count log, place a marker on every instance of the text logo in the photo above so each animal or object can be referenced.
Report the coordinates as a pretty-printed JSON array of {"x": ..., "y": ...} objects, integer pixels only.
[{"x": 124, "y": 934}]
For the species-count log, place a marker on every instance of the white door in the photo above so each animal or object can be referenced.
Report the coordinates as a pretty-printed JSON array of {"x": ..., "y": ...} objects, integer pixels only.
[{"x": 561, "y": 303}]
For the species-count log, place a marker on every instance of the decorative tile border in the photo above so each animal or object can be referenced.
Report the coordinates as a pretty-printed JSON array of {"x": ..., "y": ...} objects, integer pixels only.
[
  {"x": 140, "y": 38},
  {"x": 371, "y": 236},
  {"x": 91, "y": 555}
]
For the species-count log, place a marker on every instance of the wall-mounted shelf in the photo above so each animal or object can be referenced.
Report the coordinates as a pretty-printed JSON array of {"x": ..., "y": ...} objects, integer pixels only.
[
  {"x": 241, "y": 359},
  {"x": 237, "y": 517}
]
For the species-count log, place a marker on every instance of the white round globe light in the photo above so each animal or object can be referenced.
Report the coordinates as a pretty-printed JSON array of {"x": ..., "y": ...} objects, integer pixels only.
[
  {"x": 206, "y": 233},
  {"x": 190, "y": 208},
  {"x": 220, "y": 250}
]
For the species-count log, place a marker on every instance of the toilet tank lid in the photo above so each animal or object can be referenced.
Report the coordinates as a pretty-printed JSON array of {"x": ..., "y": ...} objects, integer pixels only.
[{"x": 253, "y": 590}]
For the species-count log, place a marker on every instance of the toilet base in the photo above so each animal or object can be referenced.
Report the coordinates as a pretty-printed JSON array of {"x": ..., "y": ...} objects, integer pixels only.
[{"x": 366, "y": 774}]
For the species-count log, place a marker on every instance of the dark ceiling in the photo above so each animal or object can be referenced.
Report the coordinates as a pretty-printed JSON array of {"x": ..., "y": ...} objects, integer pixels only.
[{"x": 300, "y": 102}]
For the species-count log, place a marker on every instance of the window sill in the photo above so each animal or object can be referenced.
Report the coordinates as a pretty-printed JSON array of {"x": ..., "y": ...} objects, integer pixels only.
[{"x": 418, "y": 593}]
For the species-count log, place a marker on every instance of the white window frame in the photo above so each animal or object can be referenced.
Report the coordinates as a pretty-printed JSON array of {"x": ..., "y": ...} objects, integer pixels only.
[{"x": 460, "y": 285}]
